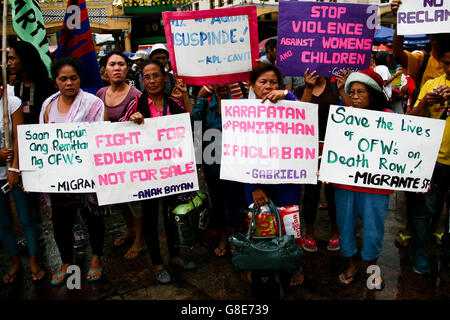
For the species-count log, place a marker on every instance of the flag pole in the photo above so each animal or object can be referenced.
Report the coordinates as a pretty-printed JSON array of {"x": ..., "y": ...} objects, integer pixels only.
[{"x": 5, "y": 79}]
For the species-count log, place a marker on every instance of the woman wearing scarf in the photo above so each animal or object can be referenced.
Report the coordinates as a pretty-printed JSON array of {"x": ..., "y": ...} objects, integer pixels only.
[{"x": 72, "y": 104}]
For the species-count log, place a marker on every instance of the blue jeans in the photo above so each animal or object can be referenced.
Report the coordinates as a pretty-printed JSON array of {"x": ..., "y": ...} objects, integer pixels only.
[
  {"x": 77, "y": 226},
  {"x": 426, "y": 206},
  {"x": 34, "y": 203},
  {"x": 24, "y": 212},
  {"x": 371, "y": 208}
]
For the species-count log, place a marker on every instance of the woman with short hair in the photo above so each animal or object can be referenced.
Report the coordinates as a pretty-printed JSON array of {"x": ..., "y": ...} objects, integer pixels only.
[
  {"x": 265, "y": 80},
  {"x": 116, "y": 96}
]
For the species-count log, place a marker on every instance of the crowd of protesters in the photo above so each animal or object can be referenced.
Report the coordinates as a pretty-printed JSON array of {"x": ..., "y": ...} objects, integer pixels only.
[{"x": 144, "y": 86}]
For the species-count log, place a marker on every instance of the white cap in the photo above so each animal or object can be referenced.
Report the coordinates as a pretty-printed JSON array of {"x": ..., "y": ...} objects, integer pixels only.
[
  {"x": 140, "y": 54},
  {"x": 159, "y": 46}
]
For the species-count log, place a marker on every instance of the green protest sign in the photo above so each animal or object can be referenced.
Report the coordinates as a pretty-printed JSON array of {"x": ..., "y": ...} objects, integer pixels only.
[
  {"x": 29, "y": 26},
  {"x": 380, "y": 150}
]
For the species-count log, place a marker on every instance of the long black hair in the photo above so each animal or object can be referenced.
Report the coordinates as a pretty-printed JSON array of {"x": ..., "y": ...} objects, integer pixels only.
[{"x": 32, "y": 64}]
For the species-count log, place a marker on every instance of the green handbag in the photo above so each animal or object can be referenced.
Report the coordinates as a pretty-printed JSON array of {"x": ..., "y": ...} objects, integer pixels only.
[{"x": 279, "y": 253}]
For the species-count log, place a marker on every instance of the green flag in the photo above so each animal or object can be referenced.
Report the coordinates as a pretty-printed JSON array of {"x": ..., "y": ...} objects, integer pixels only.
[{"x": 29, "y": 26}]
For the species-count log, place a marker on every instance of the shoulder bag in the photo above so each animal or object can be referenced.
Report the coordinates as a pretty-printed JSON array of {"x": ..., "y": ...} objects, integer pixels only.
[{"x": 280, "y": 253}]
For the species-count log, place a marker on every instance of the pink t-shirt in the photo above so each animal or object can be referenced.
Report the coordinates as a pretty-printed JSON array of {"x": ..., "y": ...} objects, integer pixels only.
[{"x": 154, "y": 112}]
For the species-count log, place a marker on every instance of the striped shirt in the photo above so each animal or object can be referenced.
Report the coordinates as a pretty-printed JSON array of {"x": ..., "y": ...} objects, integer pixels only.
[
  {"x": 235, "y": 89},
  {"x": 174, "y": 106}
]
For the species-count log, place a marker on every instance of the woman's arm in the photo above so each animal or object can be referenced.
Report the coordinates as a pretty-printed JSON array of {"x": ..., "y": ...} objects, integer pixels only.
[
  {"x": 259, "y": 197},
  {"x": 204, "y": 92},
  {"x": 47, "y": 110},
  {"x": 180, "y": 92},
  {"x": 310, "y": 82},
  {"x": 137, "y": 118},
  {"x": 341, "y": 78},
  {"x": 13, "y": 177}
]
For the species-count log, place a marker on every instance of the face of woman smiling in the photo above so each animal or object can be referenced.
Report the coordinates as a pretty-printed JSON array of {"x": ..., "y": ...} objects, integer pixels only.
[
  {"x": 265, "y": 83},
  {"x": 68, "y": 81},
  {"x": 116, "y": 69}
]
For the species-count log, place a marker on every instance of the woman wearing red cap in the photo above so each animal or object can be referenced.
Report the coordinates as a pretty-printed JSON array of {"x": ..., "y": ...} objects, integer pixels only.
[{"x": 365, "y": 89}]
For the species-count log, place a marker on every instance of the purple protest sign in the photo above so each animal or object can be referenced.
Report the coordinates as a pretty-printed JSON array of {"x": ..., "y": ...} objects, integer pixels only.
[{"x": 325, "y": 37}]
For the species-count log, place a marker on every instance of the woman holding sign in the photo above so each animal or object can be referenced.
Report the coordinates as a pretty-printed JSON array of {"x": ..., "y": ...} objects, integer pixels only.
[
  {"x": 226, "y": 196},
  {"x": 365, "y": 89},
  {"x": 155, "y": 103},
  {"x": 265, "y": 79},
  {"x": 323, "y": 92},
  {"x": 116, "y": 97},
  {"x": 9, "y": 181},
  {"x": 72, "y": 104},
  {"x": 33, "y": 86}
]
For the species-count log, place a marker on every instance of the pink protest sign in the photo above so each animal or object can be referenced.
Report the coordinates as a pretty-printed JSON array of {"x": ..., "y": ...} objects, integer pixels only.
[
  {"x": 325, "y": 37},
  {"x": 269, "y": 143},
  {"x": 212, "y": 46}
]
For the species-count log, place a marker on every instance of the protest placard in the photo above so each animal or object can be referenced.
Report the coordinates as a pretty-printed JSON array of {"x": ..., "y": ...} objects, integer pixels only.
[
  {"x": 54, "y": 157},
  {"x": 423, "y": 17},
  {"x": 325, "y": 37},
  {"x": 212, "y": 46},
  {"x": 29, "y": 26},
  {"x": 269, "y": 143},
  {"x": 380, "y": 150},
  {"x": 137, "y": 162}
]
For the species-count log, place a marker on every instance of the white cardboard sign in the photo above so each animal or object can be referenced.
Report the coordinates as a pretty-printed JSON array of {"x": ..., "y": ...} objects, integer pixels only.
[
  {"x": 423, "y": 17},
  {"x": 136, "y": 162},
  {"x": 54, "y": 157},
  {"x": 380, "y": 150},
  {"x": 269, "y": 143}
]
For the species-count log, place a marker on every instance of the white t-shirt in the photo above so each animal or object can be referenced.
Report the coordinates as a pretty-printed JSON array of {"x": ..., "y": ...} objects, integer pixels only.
[
  {"x": 383, "y": 71},
  {"x": 13, "y": 104},
  {"x": 10, "y": 91}
]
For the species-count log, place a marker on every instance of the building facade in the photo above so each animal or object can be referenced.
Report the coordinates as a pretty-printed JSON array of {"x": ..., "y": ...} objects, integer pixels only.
[
  {"x": 135, "y": 23},
  {"x": 267, "y": 11}
]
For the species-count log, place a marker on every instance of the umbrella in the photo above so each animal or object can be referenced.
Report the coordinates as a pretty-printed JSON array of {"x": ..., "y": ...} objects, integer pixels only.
[
  {"x": 381, "y": 47},
  {"x": 385, "y": 35},
  {"x": 416, "y": 40},
  {"x": 128, "y": 54},
  {"x": 262, "y": 44}
]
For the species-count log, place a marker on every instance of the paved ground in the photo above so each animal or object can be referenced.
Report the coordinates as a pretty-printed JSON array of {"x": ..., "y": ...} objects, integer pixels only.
[{"x": 216, "y": 279}]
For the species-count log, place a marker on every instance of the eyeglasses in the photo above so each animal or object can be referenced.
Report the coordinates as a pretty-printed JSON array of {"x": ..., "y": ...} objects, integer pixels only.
[
  {"x": 155, "y": 76},
  {"x": 359, "y": 92}
]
